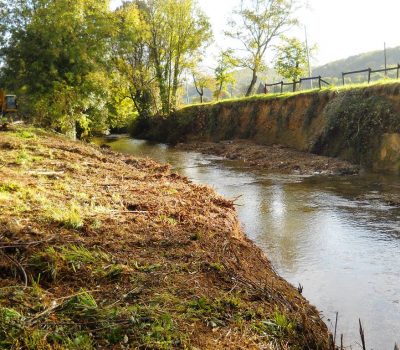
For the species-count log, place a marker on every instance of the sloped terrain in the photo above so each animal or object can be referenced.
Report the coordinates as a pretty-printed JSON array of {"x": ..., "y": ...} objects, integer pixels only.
[{"x": 104, "y": 251}]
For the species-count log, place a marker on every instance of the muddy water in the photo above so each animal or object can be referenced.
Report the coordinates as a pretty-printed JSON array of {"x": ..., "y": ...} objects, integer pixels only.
[{"x": 337, "y": 236}]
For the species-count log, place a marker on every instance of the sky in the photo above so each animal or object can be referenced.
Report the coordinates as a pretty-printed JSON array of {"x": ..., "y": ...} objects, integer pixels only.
[{"x": 340, "y": 28}]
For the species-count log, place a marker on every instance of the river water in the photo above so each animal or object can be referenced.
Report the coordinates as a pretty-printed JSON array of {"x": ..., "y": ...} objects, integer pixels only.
[{"x": 337, "y": 236}]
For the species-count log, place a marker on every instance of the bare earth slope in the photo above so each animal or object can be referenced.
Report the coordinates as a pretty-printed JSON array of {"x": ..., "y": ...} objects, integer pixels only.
[{"x": 104, "y": 251}]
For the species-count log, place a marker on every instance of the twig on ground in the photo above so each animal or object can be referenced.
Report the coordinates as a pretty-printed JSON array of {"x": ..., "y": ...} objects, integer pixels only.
[{"x": 21, "y": 268}]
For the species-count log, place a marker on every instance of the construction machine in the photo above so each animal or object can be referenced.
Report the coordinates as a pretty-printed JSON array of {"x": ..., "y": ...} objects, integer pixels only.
[{"x": 8, "y": 108}]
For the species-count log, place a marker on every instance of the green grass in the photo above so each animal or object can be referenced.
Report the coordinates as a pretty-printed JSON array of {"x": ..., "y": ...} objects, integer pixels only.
[
  {"x": 286, "y": 95},
  {"x": 48, "y": 264},
  {"x": 69, "y": 216},
  {"x": 8, "y": 187}
]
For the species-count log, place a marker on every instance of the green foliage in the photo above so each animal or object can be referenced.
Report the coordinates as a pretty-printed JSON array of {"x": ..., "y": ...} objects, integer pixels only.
[
  {"x": 256, "y": 24},
  {"x": 278, "y": 326},
  {"x": 81, "y": 305},
  {"x": 179, "y": 29},
  {"x": 9, "y": 187},
  {"x": 202, "y": 82},
  {"x": 69, "y": 216},
  {"x": 355, "y": 123},
  {"x": 291, "y": 59},
  {"x": 56, "y": 57},
  {"x": 132, "y": 59},
  {"x": 224, "y": 74},
  {"x": 48, "y": 264},
  {"x": 10, "y": 324}
]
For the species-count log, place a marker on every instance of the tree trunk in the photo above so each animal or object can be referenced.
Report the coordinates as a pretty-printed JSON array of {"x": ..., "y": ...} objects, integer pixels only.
[
  {"x": 252, "y": 84},
  {"x": 201, "y": 98}
]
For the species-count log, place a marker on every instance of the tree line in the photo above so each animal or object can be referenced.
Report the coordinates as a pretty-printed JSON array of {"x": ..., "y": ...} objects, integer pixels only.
[{"x": 80, "y": 65}]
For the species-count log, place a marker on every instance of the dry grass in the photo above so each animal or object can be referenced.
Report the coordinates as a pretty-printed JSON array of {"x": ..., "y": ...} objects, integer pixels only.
[
  {"x": 103, "y": 251},
  {"x": 275, "y": 158}
]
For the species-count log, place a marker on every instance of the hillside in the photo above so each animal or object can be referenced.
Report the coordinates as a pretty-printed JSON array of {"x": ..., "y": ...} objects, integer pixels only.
[{"x": 373, "y": 59}]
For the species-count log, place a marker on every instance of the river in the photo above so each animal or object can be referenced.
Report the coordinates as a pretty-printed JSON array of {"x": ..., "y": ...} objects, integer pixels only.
[{"x": 336, "y": 236}]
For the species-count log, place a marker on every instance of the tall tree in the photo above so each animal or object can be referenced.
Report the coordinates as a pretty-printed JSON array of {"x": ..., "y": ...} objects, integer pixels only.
[
  {"x": 202, "y": 81},
  {"x": 224, "y": 72},
  {"x": 178, "y": 30},
  {"x": 56, "y": 53},
  {"x": 132, "y": 56},
  {"x": 256, "y": 24},
  {"x": 291, "y": 59}
]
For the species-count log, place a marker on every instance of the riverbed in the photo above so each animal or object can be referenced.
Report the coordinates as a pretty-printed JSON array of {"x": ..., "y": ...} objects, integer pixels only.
[{"x": 337, "y": 236}]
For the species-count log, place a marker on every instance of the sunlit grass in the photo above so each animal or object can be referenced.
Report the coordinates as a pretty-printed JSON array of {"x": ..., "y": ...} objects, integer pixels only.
[
  {"x": 69, "y": 216},
  {"x": 286, "y": 95}
]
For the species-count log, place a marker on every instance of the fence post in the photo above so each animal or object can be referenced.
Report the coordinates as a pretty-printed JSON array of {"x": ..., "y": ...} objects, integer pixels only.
[
  {"x": 282, "y": 87},
  {"x": 319, "y": 82},
  {"x": 398, "y": 69},
  {"x": 369, "y": 75},
  {"x": 343, "y": 78}
]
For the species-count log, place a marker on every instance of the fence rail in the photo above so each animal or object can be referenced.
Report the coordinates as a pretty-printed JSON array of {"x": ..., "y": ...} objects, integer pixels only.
[
  {"x": 295, "y": 83},
  {"x": 321, "y": 81},
  {"x": 371, "y": 71}
]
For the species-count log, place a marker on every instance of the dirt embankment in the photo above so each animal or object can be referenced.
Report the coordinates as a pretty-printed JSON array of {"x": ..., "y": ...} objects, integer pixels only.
[
  {"x": 360, "y": 125},
  {"x": 276, "y": 159},
  {"x": 104, "y": 251}
]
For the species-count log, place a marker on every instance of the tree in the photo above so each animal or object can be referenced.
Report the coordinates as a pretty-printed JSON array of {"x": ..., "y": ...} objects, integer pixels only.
[
  {"x": 223, "y": 72},
  {"x": 291, "y": 59},
  {"x": 56, "y": 55},
  {"x": 201, "y": 82},
  {"x": 132, "y": 57},
  {"x": 256, "y": 24},
  {"x": 178, "y": 29}
]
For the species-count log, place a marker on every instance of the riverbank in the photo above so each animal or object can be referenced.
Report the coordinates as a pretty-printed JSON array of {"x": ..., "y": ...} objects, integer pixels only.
[
  {"x": 104, "y": 250},
  {"x": 275, "y": 159},
  {"x": 358, "y": 124}
]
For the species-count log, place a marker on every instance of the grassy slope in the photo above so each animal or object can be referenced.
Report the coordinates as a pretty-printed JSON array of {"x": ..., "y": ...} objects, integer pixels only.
[
  {"x": 346, "y": 122},
  {"x": 283, "y": 96},
  {"x": 101, "y": 250}
]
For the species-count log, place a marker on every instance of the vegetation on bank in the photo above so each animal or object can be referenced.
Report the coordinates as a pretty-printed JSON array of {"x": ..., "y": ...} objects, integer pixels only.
[
  {"x": 80, "y": 65},
  {"x": 384, "y": 83},
  {"x": 82, "y": 68},
  {"x": 102, "y": 250},
  {"x": 352, "y": 120}
]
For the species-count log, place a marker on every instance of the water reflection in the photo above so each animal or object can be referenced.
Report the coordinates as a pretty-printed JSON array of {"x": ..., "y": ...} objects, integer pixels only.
[{"x": 336, "y": 236}]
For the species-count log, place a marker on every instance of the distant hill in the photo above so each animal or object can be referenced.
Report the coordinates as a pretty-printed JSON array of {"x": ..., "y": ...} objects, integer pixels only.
[
  {"x": 373, "y": 59},
  {"x": 331, "y": 71}
]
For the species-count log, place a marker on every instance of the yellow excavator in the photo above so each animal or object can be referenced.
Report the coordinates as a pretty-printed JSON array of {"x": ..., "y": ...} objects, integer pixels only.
[{"x": 8, "y": 108}]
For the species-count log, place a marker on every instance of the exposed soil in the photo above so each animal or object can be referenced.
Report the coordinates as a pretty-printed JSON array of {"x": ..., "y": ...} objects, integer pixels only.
[
  {"x": 273, "y": 158},
  {"x": 100, "y": 250}
]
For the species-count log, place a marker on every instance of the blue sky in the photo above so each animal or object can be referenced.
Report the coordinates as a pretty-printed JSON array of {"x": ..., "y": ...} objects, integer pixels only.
[{"x": 340, "y": 28}]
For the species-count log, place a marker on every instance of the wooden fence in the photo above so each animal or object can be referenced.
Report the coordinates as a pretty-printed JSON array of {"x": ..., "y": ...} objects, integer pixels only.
[
  {"x": 371, "y": 71},
  {"x": 296, "y": 85}
]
